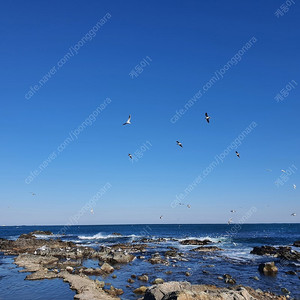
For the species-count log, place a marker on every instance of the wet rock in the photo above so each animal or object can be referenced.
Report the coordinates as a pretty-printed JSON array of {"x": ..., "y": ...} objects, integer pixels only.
[
  {"x": 196, "y": 242},
  {"x": 285, "y": 291},
  {"x": 107, "y": 268},
  {"x": 114, "y": 291},
  {"x": 130, "y": 280},
  {"x": 116, "y": 233},
  {"x": 291, "y": 273},
  {"x": 171, "y": 253},
  {"x": 157, "y": 259},
  {"x": 268, "y": 269},
  {"x": 282, "y": 252},
  {"x": 168, "y": 272},
  {"x": 207, "y": 249},
  {"x": 143, "y": 277},
  {"x": 220, "y": 277},
  {"x": 187, "y": 274},
  {"x": 41, "y": 232},
  {"x": 158, "y": 281},
  {"x": 115, "y": 257},
  {"x": 141, "y": 290},
  {"x": 228, "y": 279},
  {"x": 296, "y": 244},
  {"x": 133, "y": 276},
  {"x": 91, "y": 271},
  {"x": 255, "y": 278},
  {"x": 114, "y": 276}
]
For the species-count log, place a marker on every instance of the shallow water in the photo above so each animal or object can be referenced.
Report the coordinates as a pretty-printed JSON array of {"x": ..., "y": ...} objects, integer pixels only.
[{"x": 235, "y": 260}]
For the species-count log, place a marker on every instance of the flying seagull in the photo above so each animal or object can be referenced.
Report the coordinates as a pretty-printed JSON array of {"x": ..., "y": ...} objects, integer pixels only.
[
  {"x": 269, "y": 170},
  {"x": 207, "y": 117},
  {"x": 130, "y": 156},
  {"x": 128, "y": 121},
  {"x": 283, "y": 171},
  {"x": 237, "y": 154},
  {"x": 188, "y": 206},
  {"x": 294, "y": 186},
  {"x": 161, "y": 217},
  {"x": 233, "y": 211},
  {"x": 179, "y": 144},
  {"x": 92, "y": 211},
  {"x": 293, "y": 214},
  {"x": 229, "y": 221},
  {"x": 33, "y": 194}
]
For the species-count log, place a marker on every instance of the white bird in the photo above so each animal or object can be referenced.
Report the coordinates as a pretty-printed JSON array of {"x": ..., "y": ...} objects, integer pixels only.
[
  {"x": 188, "y": 206},
  {"x": 293, "y": 215},
  {"x": 130, "y": 156},
  {"x": 233, "y": 211},
  {"x": 92, "y": 211},
  {"x": 161, "y": 217},
  {"x": 234, "y": 244},
  {"x": 207, "y": 117},
  {"x": 229, "y": 221},
  {"x": 283, "y": 171},
  {"x": 237, "y": 154},
  {"x": 294, "y": 186},
  {"x": 179, "y": 144},
  {"x": 128, "y": 121}
]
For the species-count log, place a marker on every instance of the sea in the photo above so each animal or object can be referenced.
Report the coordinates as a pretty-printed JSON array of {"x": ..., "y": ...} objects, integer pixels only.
[{"x": 236, "y": 260}]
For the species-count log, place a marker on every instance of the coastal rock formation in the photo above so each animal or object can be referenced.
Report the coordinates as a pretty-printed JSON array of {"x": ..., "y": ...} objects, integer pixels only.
[
  {"x": 281, "y": 252},
  {"x": 157, "y": 259},
  {"x": 207, "y": 249},
  {"x": 196, "y": 242},
  {"x": 185, "y": 291}
]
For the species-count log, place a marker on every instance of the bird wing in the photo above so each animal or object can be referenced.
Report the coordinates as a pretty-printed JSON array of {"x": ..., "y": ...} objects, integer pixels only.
[{"x": 206, "y": 115}]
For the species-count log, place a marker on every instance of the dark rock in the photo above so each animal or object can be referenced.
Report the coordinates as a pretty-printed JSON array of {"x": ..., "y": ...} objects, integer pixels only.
[
  {"x": 285, "y": 253},
  {"x": 207, "y": 249},
  {"x": 296, "y": 244},
  {"x": 143, "y": 277},
  {"x": 196, "y": 242},
  {"x": 291, "y": 273}
]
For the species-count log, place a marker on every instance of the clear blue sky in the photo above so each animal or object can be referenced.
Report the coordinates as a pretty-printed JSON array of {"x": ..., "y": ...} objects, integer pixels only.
[{"x": 187, "y": 42}]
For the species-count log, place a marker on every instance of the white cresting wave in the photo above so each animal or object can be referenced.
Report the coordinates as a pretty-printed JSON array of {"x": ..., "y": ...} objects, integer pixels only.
[{"x": 100, "y": 236}]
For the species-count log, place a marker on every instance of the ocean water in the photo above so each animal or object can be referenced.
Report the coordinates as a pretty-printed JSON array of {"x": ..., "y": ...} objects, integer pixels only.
[{"x": 236, "y": 260}]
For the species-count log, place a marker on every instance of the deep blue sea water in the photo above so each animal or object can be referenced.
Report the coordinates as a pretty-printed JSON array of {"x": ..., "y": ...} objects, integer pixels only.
[{"x": 236, "y": 260}]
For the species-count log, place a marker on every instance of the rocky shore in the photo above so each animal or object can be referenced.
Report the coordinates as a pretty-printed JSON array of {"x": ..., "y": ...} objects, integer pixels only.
[{"x": 53, "y": 258}]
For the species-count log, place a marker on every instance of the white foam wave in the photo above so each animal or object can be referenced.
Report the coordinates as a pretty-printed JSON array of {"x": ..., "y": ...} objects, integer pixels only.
[
  {"x": 100, "y": 236},
  {"x": 44, "y": 236}
]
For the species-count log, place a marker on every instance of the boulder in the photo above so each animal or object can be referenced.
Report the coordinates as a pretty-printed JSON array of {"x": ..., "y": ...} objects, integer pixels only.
[
  {"x": 268, "y": 268},
  {"x": 158, "y": 281},
  {"x": 143, "y": 277},
  {"x": 141, "y": 290},
  {"x": 107, "y": 268}
]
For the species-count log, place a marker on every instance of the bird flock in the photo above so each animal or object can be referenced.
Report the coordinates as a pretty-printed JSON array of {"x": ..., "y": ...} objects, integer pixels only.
[{"x": 207, "y": 118}]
